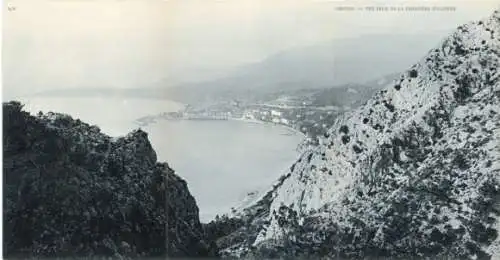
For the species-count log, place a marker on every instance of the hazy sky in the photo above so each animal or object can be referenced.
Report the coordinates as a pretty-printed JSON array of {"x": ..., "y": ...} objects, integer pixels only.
[{"x": 127, "y": 43}]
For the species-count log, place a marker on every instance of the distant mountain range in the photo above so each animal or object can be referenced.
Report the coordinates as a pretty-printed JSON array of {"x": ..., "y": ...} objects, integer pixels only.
[{"x": 340, "y": 62}]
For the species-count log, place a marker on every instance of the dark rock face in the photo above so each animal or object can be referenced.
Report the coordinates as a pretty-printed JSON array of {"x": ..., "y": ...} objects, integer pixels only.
[{"x": 70, "y": 190}]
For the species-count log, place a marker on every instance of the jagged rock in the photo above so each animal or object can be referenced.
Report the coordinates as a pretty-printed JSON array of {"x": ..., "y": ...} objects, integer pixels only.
[
  {"x": 418, "y": 176},
  {"x": 72, "y": 191}
]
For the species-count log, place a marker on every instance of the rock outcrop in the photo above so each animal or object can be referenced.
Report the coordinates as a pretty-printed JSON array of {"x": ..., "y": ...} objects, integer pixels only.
[
  {"x": 71, "y": 191},
  {"x": 414, "y": 172}
]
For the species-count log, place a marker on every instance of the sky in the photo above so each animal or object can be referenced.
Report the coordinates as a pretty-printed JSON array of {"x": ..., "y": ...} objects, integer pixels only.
[{"x": 50, "y": 44}]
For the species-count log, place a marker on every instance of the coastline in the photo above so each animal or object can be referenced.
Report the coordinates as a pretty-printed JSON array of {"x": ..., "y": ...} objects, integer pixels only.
[
  {"x": 256, "y": 121},
  {"x": 155, "y": 119},
  {"x": 260, "y": 190}
]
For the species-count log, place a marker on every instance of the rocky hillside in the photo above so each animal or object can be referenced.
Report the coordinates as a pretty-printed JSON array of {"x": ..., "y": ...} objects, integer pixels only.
[
  {"x": 70, "y": 190},
  {"x": 414, "y": 172}
]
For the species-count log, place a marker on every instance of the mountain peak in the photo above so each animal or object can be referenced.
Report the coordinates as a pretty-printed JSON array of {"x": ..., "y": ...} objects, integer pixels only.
[{"x": 412, "y": 172}]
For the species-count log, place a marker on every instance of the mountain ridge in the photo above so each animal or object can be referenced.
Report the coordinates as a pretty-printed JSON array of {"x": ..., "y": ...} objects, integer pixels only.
[
  {"x": 404, "y": 175},
  {"x": 70, "y": 190}
]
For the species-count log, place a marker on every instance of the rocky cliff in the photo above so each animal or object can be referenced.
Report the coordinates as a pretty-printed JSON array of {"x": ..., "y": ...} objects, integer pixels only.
[
  {"x": 414, "y": 172},
  {"x": 70, "y": 190}
]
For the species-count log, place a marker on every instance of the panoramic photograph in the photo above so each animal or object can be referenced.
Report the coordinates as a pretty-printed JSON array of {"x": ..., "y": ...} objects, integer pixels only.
[{"x": 251, "y": 129}]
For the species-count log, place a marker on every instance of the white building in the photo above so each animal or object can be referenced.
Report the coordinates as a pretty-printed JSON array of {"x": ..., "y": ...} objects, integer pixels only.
[{"x": 275, "y": 113}]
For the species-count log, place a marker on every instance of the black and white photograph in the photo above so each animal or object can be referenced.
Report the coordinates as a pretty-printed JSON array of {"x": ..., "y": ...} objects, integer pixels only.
[{"x": 251, "y": 129}]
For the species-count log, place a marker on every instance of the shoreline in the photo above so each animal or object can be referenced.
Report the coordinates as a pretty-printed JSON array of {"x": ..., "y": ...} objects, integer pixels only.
[
  {"x": 251, "y": 121},
  {"x": 256, "y": 121},
  {"x": 259, "y": 191}
]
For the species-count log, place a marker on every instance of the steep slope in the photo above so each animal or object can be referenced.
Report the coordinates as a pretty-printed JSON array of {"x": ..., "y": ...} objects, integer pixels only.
[
  {"x": 412, "y": 172},
  {"x": 70, "y": 190}
]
